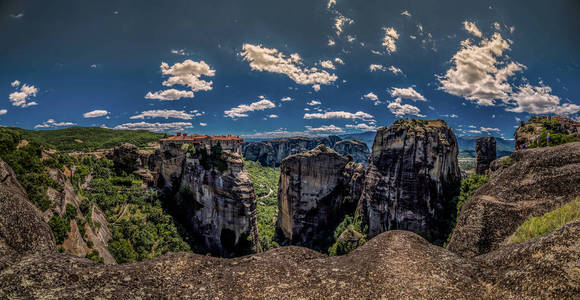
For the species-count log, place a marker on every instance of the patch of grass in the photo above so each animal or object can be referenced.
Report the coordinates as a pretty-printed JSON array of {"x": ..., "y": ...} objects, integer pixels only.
[{"x": 538, "y": 226}]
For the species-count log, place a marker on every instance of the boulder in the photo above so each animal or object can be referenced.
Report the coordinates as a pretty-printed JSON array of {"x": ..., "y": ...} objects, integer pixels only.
[
  {"x": 530, "y": 183},
  {"x": 411, "y": 179},
  {"x": 271, "y": 153},
  {"x": 317, "y": 189},
  {"x": 358, "y": 150},
  {"x": 484, "y": 154}
]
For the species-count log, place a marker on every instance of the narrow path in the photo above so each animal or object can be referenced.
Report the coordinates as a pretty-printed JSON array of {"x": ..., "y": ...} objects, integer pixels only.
[
  {"x": 122, "y": 213},
  {"x": 268, "y": 195}
]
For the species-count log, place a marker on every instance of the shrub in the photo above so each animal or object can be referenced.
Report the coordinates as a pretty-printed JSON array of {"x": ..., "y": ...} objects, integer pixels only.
[
  {"x": 538, "y": 226},
  {"x": 351, "y": 227},
  {"x": 60, "y": 227},
  {"x": 95, "y": 256},
  {"x": 122, "y": 251},
  {"x": 71, "y": 212},
  {"x": 468, "y": 186}
]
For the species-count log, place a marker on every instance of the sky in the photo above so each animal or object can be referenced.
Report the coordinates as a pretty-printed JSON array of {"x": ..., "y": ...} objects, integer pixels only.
[{"x": 264, "y": 69}]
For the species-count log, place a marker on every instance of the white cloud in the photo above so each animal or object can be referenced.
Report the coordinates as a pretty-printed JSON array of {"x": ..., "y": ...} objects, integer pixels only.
[
  {"x": 17, "y": 16},
  {"x": 407, "y": 93},
  {"x": 15, "y": 83},
  {"x": 93, "y": 66},
  {"x": 401, "y": 110},
  {"x": 362, "y": 126},
  {"x": 186, "y": 73},
  {"x": 377, "y": 67},
  {"x": 170, "y": 94},
  {"x": 272, "y": 60},
  {"x": 167, "y": 113},
  {"x": 351, "y": 38},
  {"x": 389, "y": 41},
  {"x": 202, "y": 124},
  {"x": 488, "y": 129},
  {"x": 331, "y": 3},
  {"x": 157, "y": 127},
  {"x": 314, "y": 103},
  {"x": 477, "y": 75},
  {"x": 339, "y": 23},
  {"x": 331, "y": 42},
  {"x": 273, "y": 116},
  {"x": 327, "y": 64},
  {"x": 472, "y": 28},
  {"x": 395, "y": 70},
  {"x": 50, "y": 123},
  {"x": 241, "y": 110},
  {"x": 339, "y": 61},
  {"x": 3, "y": 111},
  {"x": 325, "y": 128},
  {"x": 20, "y": 98},
  {"x": 286, "y": 99},
  {"x": 406, "y": 13},
  {"x": 339, "y": 115},
  {"x": 178, "y": 52},
  {"x": 496, "y": 26},
  {"x": 538, "y": 100},
  {"x": 371, "y": 96},
  {"x": 95, "y": 113}
]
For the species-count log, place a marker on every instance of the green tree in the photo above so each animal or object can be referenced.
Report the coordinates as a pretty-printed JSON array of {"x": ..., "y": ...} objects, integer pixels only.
[{"x": 122, "y": 251}]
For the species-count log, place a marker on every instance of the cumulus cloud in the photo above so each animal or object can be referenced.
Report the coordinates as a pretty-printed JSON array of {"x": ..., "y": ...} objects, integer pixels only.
[
  {"x": 395, "y": 70},
  {"x": 51, "y": 123},
  {"x": 407, "y": 93},
  {"x": 389, "y": 41},
  {"x": 314, "y": 103},
  {"x": 377, "y": 67},
  {"x": 539, "y": 100},
  {"x": 169, "y": 95},
  {"x": 286, "y": 99},
  {"x": 273, "y": 116},
  {"x": 331, "y": 3},
  {"x": 371, "y": 96},
  {"x": 362, "y": 126},
  {"x": 477, "y": 74},
  {"x": 325, "y": 128},
  {"x": 179, "y": 52},
  {"x": 202, "y": 124},
  {"x": 187, "y": 73},
  {"x": 472, "y": 28},
  {"x": 17, "y": 16},
  {"x": 156, "y": 127},
  {"x": 167, "y": 113},
  {"x": 339, "y": 115},
  {"x": 327, "y": 64},
  {"x": 20, "y": 98},
  {"x": 339, "y": 23},
  {"x": 398, "y": 109},
  {"x": 496, "y": 26},
  {"x": 339, "y": 61},
  {"x": 3, "y": 111},
  {"x": 242, "y": 110},
  {"x": 406, "y": 13},
  {"x": 95, "y": 113},
  {"x": 271, "y": 60},
  {"x": 331, "y": 42}
]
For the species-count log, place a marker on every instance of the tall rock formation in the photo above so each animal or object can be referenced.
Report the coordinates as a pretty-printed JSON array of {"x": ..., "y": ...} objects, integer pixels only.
[
  {"x": 357, "y": 149},
  {"x": 316, "y": 190},
  {"x": 271, "y": 153},
  {"x": 529, "y": 183},
  {"x": 484, "y": 154},
  {"x": 219, "y": 205},
  {"x": 411, "y": 179}
]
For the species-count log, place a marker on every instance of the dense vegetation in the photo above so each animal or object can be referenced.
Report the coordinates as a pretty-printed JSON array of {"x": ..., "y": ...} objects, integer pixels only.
[
  {"x": 348, "y": 235},
  {"x": 265, "y": 181},
  {"x": 558, "y": 134},
  {"x": 547, "y": 223},
  {"x": 88, "y": 138}
]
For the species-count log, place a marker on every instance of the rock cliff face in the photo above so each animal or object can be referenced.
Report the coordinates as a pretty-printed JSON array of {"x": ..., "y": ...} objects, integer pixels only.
[
  {"x": 357, "y": 149},
  {"x": 22, "y": 228},
  {"x": 484, "y": 154},
  {"x": 271, "y": 153},
  {"x": 531, "y": 183},
  {"x": 316, "y": 190},
  {"x": 412, "y": 176},
  {"x": 530, "y": 132},
  {"x": 219, "y": 207}
]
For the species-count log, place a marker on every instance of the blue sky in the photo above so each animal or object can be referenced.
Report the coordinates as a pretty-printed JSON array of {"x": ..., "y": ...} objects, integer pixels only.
[{"x": 224, "y": 67}]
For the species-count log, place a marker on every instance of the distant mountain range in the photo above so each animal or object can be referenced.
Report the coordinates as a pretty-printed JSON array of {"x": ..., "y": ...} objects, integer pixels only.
[{"x": 466, "y": 143}]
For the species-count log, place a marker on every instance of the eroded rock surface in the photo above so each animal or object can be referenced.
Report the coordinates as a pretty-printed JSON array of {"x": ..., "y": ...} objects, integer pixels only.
[
  {"x": 317, "y": 189},
  {"x": 485, "y": 153},
  {"x": 412, "y": 176},
  {"x": 271, "y": 153},
  {"x": 358, "y": 150},
  {"x": 531, "y": 183}
]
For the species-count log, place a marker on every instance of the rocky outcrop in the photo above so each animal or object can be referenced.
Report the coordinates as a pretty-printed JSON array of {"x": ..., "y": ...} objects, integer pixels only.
[
  {"x": 271, "y": 153},
  {"x": 126, "y": 157},
  {"x": 168, "y": 165},
  {"x": 316, "y": 190},
  {"x": 411, "y": 178},
  {"x": 219, "y": 206},
  {"x": 484, "y": 154},
  {"x": 527, "y": 184},
  {"x": 22, "y": 228},
  {"x": 358, "y": 150},
  {"x": 529, "y": 133},
  {"x": 393, "y": 265}
]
